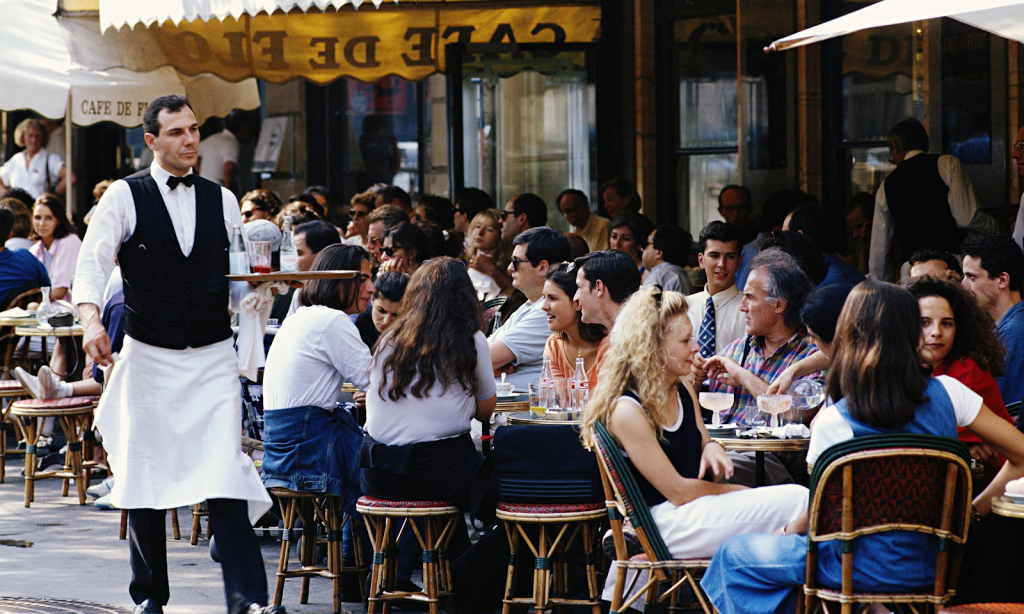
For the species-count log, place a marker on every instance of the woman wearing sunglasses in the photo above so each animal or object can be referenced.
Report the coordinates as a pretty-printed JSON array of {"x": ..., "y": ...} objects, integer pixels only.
[
  {"x": 405, "y": 249},
  {"x": 259, "y": 205}
]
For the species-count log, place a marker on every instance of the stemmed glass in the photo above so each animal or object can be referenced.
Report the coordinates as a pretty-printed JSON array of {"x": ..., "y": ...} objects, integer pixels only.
[{"x": 716, "y": 402}]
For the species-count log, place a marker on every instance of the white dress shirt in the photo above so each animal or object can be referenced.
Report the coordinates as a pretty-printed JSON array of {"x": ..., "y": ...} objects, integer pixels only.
[
  {"x": 114, "y": 222},
  {"x": 963, "y": 204},
  {"x": 730, "y": 323}
]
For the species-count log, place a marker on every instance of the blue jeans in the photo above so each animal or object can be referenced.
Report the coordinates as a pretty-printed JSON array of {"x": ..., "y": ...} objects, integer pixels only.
[
  {"x": 756, "y": 573},
  {"x": 310, "y": 449}
]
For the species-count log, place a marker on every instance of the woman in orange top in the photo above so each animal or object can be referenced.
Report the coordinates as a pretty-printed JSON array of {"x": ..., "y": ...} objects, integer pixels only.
[{"x": 570, "y": 337}]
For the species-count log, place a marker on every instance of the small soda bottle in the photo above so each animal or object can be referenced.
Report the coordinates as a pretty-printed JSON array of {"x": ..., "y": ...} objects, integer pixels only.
[
  {"x": 238, "y": 258},
  {"x": 288, "y": 254},
  {"x": 580, "y": 387},
  {"x": 547, "y": 384}
]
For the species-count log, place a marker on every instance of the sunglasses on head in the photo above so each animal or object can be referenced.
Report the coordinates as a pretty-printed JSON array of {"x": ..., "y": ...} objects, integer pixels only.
[{"x": 390, "y": 251}]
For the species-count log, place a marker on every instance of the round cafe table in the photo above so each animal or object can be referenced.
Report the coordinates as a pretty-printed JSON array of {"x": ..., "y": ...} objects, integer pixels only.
[
  {"x": 23, "y": 321},
  {"x": 759, "y": 446},
  {"x": 61, "y": 331},
  {"x": 528, "y": 418},
  {"x": 1005, "y": 506}
]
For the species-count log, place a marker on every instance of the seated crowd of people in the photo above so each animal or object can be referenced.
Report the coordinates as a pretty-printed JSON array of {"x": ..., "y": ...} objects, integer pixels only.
[{"x": 449, "y": 297}]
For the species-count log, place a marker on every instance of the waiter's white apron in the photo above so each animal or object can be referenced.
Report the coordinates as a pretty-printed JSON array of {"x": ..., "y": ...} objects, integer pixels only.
[{"x": 171, "y": 426}]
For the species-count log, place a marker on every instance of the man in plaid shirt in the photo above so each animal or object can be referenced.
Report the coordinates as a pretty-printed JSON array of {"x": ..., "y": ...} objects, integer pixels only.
[{"x": 775, "y": 291}]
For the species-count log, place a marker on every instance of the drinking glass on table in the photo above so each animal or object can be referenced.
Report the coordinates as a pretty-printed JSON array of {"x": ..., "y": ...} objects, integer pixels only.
[
  {"x": 716, "y": 402},
  {"x": 537, "y": 410},
  {"x": 260, "y": 256},
  {"x": 774, "y": 404}
]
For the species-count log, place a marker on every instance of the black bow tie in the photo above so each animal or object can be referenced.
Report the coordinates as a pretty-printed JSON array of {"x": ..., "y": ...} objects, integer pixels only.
[{"x": 188, "y": 180}]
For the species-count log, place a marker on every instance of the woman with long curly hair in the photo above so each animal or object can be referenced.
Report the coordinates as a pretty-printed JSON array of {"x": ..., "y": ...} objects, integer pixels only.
[
  {"x": 958, "y": 339},
  {"x": 644, "y": 401},
  {"x": 431, "y": 376}
]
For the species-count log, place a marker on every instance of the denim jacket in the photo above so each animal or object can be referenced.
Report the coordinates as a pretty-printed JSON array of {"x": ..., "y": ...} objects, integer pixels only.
[{"x": 310, "y": 449}]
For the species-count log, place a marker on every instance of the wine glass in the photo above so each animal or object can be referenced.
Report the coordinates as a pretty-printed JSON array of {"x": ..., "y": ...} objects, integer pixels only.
[
  {"x": 716, "y": 402},
  {"x": 774, "y": 404}
]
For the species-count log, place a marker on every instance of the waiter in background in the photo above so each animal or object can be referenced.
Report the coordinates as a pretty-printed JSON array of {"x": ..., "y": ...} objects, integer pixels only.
[{"x": 170, "y": 414}]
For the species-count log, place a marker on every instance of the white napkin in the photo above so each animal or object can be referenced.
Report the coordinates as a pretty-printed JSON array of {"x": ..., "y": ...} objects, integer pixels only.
[
  {"x": 252, "y": 321},
  {"x": 16, "y": 312},
  {"x": 791, "y": 431}
]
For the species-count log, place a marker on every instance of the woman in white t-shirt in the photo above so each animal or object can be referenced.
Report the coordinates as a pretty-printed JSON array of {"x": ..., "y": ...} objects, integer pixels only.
[
  {"x": 310, "y": 444},
  {"x": 431, "y": 377},
  {"x": 33, "y": 170},
  {"x": 880, "y": 386}
]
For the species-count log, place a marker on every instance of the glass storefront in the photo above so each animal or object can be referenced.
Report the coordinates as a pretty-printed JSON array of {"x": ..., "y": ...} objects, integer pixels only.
[{"x": 528, "y": 123}]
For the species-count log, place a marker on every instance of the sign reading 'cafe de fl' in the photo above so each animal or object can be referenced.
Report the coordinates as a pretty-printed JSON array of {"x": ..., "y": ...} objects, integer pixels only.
[{"x": 367, "y": 45}]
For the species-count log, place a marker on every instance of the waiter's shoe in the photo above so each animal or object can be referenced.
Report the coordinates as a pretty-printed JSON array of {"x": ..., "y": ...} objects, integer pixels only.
[
  {"x": 148, "y": 607},
  {"x": 256, "y": 608}
]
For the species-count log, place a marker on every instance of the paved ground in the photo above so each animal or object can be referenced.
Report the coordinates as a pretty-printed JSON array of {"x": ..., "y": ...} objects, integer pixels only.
[{"x": 76, "y": 555}]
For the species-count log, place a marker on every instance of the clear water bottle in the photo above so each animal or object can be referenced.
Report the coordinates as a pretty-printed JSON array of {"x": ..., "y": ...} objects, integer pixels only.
[
  {"x": 46, "y": 308},
  {"x": 548, "y": 398},
  {"x": 238, "y": 258},
  {"x": 289, "y": 255},
  {"x": 580, "y": 388}
]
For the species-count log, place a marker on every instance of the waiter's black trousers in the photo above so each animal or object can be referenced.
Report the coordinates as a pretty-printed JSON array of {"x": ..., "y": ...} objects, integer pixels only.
[{"x": 245, "y": 579}]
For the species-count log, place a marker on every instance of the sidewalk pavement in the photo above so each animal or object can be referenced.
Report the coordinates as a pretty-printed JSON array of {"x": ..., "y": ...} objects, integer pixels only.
[{"x": 76, "y": 555}]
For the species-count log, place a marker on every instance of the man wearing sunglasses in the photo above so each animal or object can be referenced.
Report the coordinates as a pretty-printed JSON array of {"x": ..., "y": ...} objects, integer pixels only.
[{"x": 517, "y": 348}]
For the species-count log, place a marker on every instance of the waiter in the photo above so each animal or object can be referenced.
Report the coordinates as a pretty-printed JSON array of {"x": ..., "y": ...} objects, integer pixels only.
[{"x": 170, "y": 416}]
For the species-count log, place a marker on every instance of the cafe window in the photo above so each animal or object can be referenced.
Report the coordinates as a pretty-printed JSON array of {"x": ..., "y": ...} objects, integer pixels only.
[
  {"x": 882, "y": 84},
  {"x": 528, "y": 123},
  {"x": 732, "y": 100}
]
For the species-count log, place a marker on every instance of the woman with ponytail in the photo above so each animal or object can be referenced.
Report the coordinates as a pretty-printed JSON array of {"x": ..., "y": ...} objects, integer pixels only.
[{"x": 649, "y": 409}]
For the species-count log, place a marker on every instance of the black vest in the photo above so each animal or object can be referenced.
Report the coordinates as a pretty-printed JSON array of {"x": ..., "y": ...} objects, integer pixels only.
[
  {"x": 171, "y": 300},
  {"x": 918, "y": 201}
]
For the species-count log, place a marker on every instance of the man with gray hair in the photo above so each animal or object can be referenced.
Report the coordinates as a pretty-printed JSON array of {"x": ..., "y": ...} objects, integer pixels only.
[{"x": 775, "y": 291}]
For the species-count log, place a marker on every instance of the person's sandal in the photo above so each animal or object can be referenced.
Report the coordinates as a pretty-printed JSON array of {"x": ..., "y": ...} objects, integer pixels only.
[{"x": 633, "y": 546}]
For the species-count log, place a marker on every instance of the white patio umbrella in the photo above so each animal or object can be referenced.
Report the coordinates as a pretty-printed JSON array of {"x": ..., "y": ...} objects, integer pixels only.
[
  {"x": 117, "y": 13},
  {"x": 1002, "y": 17}
]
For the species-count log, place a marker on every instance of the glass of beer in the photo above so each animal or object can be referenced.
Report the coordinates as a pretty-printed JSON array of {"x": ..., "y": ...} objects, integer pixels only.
[{"x": 536, "y": 409}]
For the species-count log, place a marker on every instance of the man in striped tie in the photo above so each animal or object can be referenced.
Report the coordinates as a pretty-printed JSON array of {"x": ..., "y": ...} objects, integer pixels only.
[{"x": 715, "y": 312}]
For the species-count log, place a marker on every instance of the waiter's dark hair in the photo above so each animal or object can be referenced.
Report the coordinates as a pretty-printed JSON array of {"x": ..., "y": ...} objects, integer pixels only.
[
  {"x": 340, "y": 294},
  {"x": 172, "y": 102}
]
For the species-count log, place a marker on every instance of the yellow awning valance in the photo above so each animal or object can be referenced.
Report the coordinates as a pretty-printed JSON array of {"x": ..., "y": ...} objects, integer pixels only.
[{"x": 406, "y": 40}]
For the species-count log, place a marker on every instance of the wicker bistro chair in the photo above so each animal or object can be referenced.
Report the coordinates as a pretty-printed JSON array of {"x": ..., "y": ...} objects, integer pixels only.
[
  {"x": 75, "y": 417},
  {"x": 623, "y": 498},
  {"x": 558, "y": 527},
  {"x": 882, "y": 483},
  {"x": 432, "y": 523},
  {"x": 315, "y": 509},
  {"x": 10, "y": 391}
]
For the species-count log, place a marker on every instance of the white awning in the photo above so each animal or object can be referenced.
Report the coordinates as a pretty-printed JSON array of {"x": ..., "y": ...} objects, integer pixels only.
[
  {"x": 1002, "y": 17},
  {"x": 47, "y": 58},
  {"x": 117, "y": 13}
]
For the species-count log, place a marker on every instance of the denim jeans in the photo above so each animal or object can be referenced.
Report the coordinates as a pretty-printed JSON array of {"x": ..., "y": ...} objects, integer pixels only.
[{"x": 310, "y": 449}]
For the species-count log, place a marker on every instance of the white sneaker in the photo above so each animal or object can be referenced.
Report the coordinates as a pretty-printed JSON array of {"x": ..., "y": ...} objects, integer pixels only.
[
  {"x": 48, "y": 382},
  {"x": 104, "y": 503},
  {"x": 30, "y": 382},
  {"x": 102, "y": 489}
]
